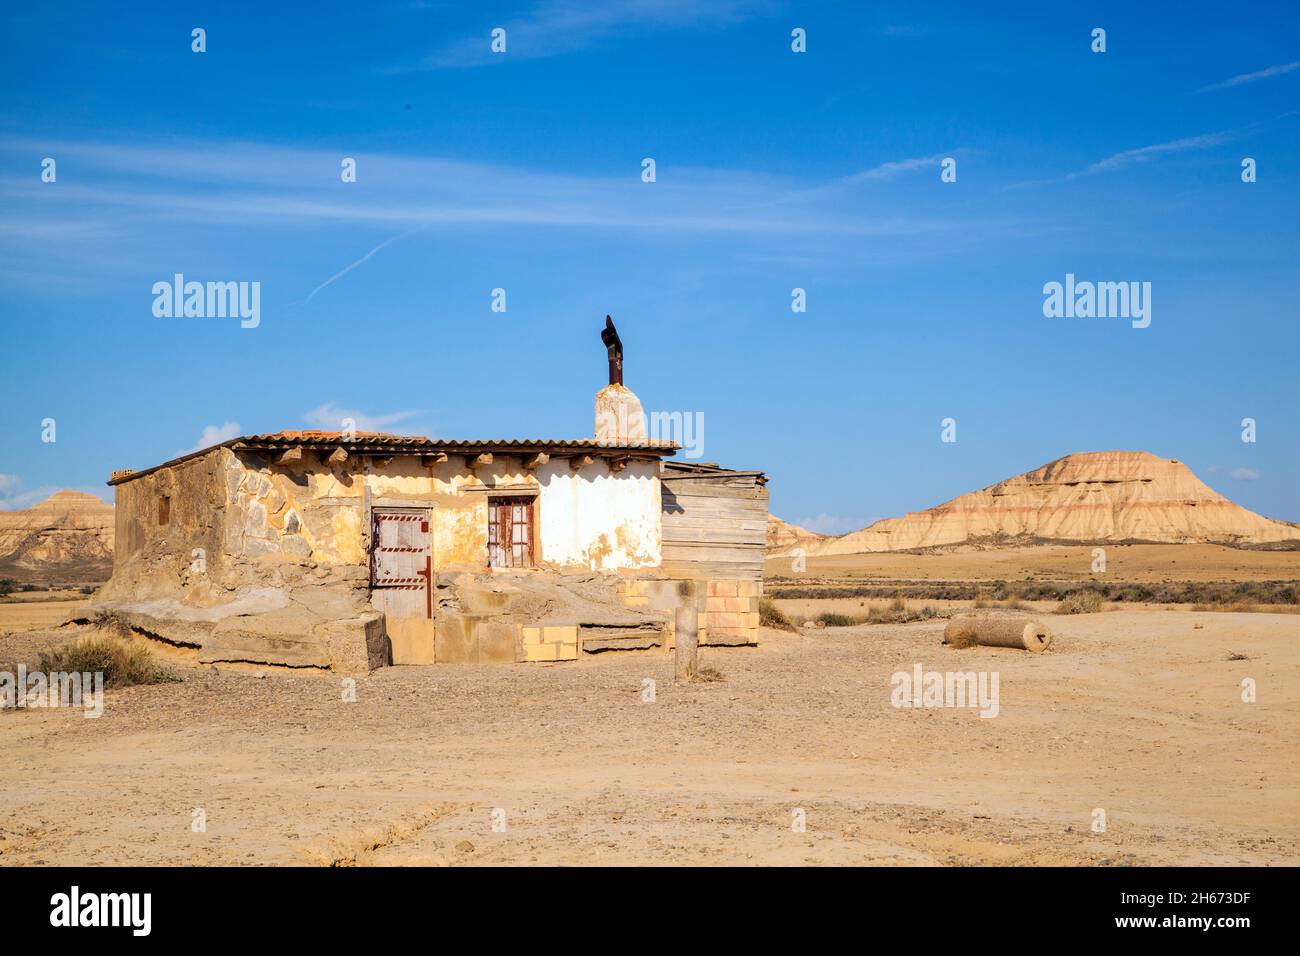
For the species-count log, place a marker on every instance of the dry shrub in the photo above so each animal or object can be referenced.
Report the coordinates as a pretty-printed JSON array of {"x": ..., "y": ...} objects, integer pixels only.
[
  {"x": 123, "y": 663},
  {"x": 897, "y": 612},
  {"x": 769, "y": 615},
  {"x": 1245, "y": 607},
  {"x": 707, "y": 674},
  {"x": 831, "y": 619},
  {"x": 960, "y": 633},
  {"x": 1080, "y": 602}
]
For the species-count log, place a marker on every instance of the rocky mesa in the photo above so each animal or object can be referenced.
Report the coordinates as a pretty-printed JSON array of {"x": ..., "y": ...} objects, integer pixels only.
[
  {"x": 1104, "y": 496},
  {"x": 782, "y": 535},
  {"x": 66, "y": 538}
]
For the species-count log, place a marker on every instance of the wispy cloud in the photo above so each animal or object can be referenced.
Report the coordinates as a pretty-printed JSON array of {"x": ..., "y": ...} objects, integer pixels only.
[
  {"x": 557, "y": 27},
  {"x": 272, "y": 186},
  {"x": 332, "y": 417},
  {"x": 1143, "y": 154},
  {"x": 215, "y": 435},
  {"x": 1264, "y": 74},
  {"x": 832, "y": 524},
  {"x": 895, "y": 168},
  {"x": 1244, "y": 474}
]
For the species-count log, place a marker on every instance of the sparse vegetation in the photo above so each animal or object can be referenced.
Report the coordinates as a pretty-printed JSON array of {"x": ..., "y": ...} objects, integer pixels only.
[
  {"x": 769, "y": 615},
  {"x": 831, "y": 619},
  {"x": 7, "y": 586},
  {"x": 1240, "y": 607},
  {"x": 1081, "y": 602},
  {"x": 1175, "y": 592},
  {"x": 122, "y": 662},
  {"x": 895, "y": 612},
  {"x": 707, "y": 674}
]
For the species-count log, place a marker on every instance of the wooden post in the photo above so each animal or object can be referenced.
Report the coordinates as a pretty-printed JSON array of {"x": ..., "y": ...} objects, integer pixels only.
[{"x": 686, "y": 633}]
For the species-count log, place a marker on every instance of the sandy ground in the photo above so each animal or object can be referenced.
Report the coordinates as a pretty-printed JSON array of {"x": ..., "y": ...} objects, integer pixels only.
[
  {"x": 25, "y": 614},
  {"x": 1136, "y": 563},
  {"x": 1136, "y": 712}
]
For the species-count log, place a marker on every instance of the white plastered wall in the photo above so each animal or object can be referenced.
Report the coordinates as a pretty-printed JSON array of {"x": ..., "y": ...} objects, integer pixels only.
[{"x": 603, "y": 520}]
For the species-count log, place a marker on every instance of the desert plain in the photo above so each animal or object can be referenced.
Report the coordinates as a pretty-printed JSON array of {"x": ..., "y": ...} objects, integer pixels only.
[{"x": 1134, "y": 718}]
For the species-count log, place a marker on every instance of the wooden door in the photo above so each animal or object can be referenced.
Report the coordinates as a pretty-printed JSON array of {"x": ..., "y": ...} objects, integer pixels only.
[
  {"x": 401, "y": 563},
  {"x": 510, "y": 532}
]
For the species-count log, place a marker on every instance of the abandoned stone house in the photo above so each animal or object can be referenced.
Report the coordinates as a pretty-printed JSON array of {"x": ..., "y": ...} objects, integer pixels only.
[{"x": 352, "y": 551}]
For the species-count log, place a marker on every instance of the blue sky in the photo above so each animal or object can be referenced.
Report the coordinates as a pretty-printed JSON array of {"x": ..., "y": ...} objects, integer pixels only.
[{"x": 774, "y": 170}]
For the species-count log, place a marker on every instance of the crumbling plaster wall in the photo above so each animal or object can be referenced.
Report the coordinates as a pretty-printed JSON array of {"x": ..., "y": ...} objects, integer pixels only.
[
  {"x": 154, "y": 559},
  {"x": 593, "y": 518},
  {"x": 598, "y": 519}
]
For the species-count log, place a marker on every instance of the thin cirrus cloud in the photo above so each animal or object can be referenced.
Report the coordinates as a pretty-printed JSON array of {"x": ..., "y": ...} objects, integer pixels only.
[
  {"x": 1144, "y": 154},
  {"x": 1138, "y": 156},
  {"x": 1280, "y": 69},
  {"x": 330, "y": 416},
  {"x": 272, "y": 185},
  {"x": 557, "y": 27},
  {"x": 1244, "y": 474}
]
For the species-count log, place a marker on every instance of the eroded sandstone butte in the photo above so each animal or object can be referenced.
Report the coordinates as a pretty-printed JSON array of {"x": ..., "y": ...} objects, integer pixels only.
[
  {"x": 782, "y": 535},
  {"x": 1103, "y": 496},
  {"x": 68, "y": 537}
]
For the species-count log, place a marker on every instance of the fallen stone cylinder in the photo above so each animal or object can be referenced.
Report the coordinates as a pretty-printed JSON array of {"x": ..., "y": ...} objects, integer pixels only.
[{"x": 1018, "y": 632}]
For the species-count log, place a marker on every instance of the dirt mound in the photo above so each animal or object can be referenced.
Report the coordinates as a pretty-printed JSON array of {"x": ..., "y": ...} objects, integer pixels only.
[
  {"x": 66, "y": 537},
  {"x": 1106, "y": 496}
]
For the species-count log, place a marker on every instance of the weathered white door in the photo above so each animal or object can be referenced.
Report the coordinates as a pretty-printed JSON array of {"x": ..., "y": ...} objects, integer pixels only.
[{"x": 401, "y": 563}]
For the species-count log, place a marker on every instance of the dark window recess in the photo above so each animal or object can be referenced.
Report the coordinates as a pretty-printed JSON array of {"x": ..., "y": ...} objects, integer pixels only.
[
  {"x": 510, "y": 532},
  {"x": 164, "y": 509}
]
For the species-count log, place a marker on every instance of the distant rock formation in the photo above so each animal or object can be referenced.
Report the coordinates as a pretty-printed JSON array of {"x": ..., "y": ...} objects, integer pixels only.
[
  {"x": 67, "y": 538},
  {"x": 781, "y": 536},
  {"x": 1091, "y": 497}
]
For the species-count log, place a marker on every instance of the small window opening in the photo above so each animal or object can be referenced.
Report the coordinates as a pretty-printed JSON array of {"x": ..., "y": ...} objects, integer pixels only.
[{"x": 164, "y": 509}]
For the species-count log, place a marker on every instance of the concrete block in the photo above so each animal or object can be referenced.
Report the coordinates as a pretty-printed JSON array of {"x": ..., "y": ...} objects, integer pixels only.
[
  {"x": 454, "y": 640},
  {"x": 497, "y": 641}
]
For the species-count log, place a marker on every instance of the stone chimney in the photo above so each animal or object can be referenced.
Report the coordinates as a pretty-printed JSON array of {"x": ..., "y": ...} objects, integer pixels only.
[{"x": 619, "y": 417}]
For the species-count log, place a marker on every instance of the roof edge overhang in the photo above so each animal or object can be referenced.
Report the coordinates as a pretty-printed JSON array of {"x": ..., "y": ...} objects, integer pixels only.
[{"x": 375, "y": 446}]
